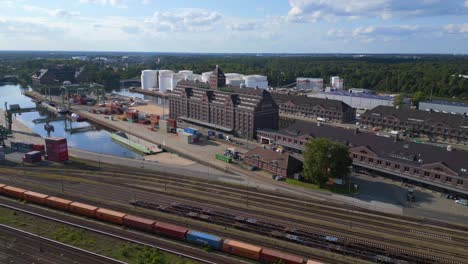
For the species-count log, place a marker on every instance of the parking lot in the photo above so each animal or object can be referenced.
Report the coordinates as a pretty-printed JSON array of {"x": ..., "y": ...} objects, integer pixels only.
[{"x": 428, "y": 203}]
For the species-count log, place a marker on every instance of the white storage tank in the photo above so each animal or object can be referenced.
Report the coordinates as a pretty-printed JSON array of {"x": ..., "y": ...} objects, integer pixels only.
[
  {"x": 256, "y": 81},
  {"x": 149, "y": 79},
  {"x": 186, "y": 74},
  {"x": 176, "y": 78},
  {"x": 206, "y": 76},
  {"x": 165, "y": 80},
  {"x": 234, "y": 79},
  {"x": 196, "y": 77}
]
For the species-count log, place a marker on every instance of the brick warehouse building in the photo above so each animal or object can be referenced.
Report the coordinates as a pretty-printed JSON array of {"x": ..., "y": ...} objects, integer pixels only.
[
  {"x": 310, "y": 107},
  {"x": 422, "y": 164},
  {"x": 240, "y": 111},
  {"x": 282, "y": 164},
  {"x": 432, "y": 124}
]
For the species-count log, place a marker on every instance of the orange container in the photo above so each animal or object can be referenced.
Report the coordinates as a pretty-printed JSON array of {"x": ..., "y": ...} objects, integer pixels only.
[
  {"x": 83, "y": 209},
  {"x": 58, "y": 203},
  {"x": 35, "y": 197},
  {"x": 274, "y": 256},
  {"x": 1, "y": 187},
  {"x": 14, "y": 192},
  {"x": 110, "y": 216},
  {"x": 242, "y": 249},
  {"x": 313, "y": 262}
]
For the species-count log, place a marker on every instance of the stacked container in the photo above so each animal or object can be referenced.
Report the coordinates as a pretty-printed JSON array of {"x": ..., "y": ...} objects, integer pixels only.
[
  {"x": 40, "y": 148},
  {"x": 154, "y": 120},
  {"x": 32, "y": 157},
  {"x": 172, "y": 123},
  {"x": 21, "y": 146},
  {"x": 57, "y": 149},
  {"x": 132, "y": 116}
]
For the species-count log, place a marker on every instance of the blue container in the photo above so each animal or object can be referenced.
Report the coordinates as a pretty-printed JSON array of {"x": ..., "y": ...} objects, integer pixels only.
[
  {"x": 202, "y": 239},
  {"x": 191, "y": 131},
  {"x": 220, "y": 136},
  {"x": 211, "y": 133}
]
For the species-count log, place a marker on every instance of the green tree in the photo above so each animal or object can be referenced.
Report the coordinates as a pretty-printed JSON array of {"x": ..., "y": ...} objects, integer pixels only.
[
  {"x": 417, "y": 97},
  {"x": 324, "y": 159},
  {"x": 399, "y": 101}
]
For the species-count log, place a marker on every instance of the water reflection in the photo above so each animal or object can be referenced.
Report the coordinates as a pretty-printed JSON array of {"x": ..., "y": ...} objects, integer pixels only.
[{"x": 81, "y": 135}]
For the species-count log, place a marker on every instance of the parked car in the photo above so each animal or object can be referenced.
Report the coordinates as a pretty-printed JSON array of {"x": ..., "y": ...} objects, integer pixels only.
[
  {"x": 410, "y": 196},
  {"x": 452, "y": 197},
  {"x": 462, "y": 202},
  {"x": 279, "y": 178}
]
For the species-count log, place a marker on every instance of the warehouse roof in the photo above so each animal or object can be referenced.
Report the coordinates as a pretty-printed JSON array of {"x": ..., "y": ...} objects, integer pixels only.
[
  {"x": 411, "y": 153},
  {"x": 462, "y": 104},
  {"x": 427, "y": 117},
  {"x": 310, "y": 101},
  {"x": 270, "y": 156},
  {"x": 359, "y": 95}
]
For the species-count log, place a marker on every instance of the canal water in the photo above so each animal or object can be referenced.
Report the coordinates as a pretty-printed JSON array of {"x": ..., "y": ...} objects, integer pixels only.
[{"x": 82, "y": 135}]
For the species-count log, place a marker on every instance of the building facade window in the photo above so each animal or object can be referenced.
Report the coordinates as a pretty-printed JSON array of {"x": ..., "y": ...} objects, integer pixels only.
[
  {"x": 437, "y": 176},
  {"x": 426, "y": 173},
  {"x": 459, "y": 182},
  {"x": 448, "y": 179}
]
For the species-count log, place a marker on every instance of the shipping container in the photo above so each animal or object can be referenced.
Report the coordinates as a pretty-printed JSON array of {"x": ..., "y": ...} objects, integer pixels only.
[
  {"x": 190, "y": 130},
  {"x": 83, "y": 209},
  {"x": 204, "y": 239},
  {"x": 273, "y": 256},
  {"x": 58, "y": 203},
  {"x": 172, "y": 123},
  {"x": 35, "y": 197},
  {"x": 241, "y": 249},
  {"x": 14, "y": 192},
  {"x": 138, "y": 223},
  {"x": 1, "y": 187},
  {"x": 110, "y": 216},
  {"x": 313, "y": 262},
  {"x": 170, "y": 230},
  {"x": 55, "y": 140}
]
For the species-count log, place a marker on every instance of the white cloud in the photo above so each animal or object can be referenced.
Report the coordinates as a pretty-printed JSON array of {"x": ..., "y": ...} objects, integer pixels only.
[
  {"x": 63, "y": 13},
  {"x": 243, "y": 26},
  {"x": 184, "y": 19},
  {"x": 456, "y": 29},
  {"x": 314, "y": 10},
  {"x": 116, "y": 3},
  {"x": 146, "y": 2},
  {"x": 466, "y": 3}
]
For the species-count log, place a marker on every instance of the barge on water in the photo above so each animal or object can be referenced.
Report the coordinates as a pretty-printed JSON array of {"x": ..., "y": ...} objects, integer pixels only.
[{"x": 122, "y": 138}]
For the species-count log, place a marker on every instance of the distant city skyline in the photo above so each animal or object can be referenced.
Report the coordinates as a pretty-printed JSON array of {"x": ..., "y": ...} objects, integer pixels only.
[{"x": 257, "y": 26}]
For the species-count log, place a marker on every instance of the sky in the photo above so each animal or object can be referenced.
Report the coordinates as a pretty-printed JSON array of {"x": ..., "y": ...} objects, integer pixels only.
[{"x": 238, "y": 26}]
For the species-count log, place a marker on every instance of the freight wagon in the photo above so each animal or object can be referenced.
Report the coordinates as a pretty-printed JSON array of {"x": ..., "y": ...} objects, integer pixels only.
[
  {"x": 203, "y": 239},
  {"x": 274, "y": 256},
  {"x": 83, "y": 209},
  {"x": 35, "y": 197},
  {"x": 110, "y": 216},
  {"x": 241, "y": 249},
  {"x": 138, "y": 223},
  {"x": 13, "y": 192},
  {"x": 170, "y": 230},
  {"x": 230, "y": 246},
  {"x": 58, "y": 203}
]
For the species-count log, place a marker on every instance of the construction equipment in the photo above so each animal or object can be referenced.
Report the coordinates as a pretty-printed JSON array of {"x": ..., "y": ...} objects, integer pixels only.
[{"x": 15, "y": 109}]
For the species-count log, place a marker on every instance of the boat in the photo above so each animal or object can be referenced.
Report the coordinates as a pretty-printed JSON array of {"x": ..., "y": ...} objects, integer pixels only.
[
  {"x": 122, "y": 138},
  {"x": 78, "y": 118},
  {"x": 62, "y": 110}
]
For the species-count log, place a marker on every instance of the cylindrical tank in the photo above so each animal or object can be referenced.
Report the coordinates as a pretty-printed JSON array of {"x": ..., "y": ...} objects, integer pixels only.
[
  {"x": 196, "y": 78},
  {"x": 149, "y": 79},
  {"x": 206, "y": 76},
  {"x": 176, "y": 77},
  {"x": 165, "y": 80},
  {"x": 234, "y": 79},
  {"x": 256, "y": 81},
  {"x": 186, "y": 74}
]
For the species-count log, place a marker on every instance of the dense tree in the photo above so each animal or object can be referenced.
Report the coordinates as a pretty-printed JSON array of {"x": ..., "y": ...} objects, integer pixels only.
[
  {"x": 399, "y": 100},
  {"x": 417, "y": 97},
  {"x": 324, "y": 159}
]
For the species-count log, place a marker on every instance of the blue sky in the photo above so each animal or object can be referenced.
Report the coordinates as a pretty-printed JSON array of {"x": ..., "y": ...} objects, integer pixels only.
[{"x": 295, "y": 26}]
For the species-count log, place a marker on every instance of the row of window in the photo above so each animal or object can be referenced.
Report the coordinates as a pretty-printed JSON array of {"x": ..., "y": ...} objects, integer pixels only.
[{"x": 406, "y": 169}]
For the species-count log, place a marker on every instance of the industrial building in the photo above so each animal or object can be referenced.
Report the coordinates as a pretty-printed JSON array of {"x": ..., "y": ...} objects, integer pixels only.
[
  {"x": 445, "y": 107},
  {"x": 444, "y": 169},
  {"x": 278, "y": 163},
  {"x": 360, "y": 100},
  {"x": 310, "y": 107},
  {"x": 240, "y": 111},
  {"x": 448, "y": 127},
  {"x": 312, "y": 84}
]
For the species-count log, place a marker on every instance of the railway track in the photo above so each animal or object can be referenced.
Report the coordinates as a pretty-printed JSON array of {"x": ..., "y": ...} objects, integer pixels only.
[
  {"x": 19, "y": 246},
  {"x": 207, "y": 189}
]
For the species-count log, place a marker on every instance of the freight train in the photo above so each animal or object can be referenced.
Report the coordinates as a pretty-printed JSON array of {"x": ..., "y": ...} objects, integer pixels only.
[{"x": 230, "y": 246}]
